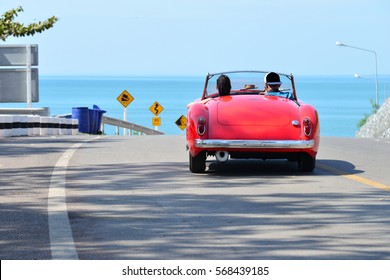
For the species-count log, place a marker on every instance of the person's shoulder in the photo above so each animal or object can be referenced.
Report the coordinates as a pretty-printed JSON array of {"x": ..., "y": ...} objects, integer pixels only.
[{"x": 273, "y": 93}]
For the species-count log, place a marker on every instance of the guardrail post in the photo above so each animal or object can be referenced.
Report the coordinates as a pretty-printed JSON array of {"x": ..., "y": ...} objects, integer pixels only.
[{"x": 28, "y": 76}]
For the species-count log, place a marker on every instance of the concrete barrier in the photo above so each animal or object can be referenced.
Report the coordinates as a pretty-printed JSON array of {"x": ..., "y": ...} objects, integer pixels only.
[
  {"x": 62, "y": 127},
  {"x": 74, "y": 126},
  {"x": 44, "y": 125},
  {"x": 16, "y": 131},
  {"x": 36, "y": 125},
  {"x": 23, "y": 125},
  {"x": 5, "y": 125},
  {"x": 30, "y": 125}
]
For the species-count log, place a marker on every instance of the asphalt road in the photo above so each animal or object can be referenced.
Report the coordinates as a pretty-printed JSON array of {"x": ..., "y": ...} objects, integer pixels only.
[{"x": 87, "y": 197}]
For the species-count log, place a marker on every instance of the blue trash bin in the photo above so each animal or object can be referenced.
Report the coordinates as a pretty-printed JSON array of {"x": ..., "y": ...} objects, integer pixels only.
[
  {"x": 82, "y": 114},
  {"x": 93, "y": 115},
  {"x": 99, "y": 116}
]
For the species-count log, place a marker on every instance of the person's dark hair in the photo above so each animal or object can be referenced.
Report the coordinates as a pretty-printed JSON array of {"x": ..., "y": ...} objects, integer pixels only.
[{"x": 223, "y": 85}]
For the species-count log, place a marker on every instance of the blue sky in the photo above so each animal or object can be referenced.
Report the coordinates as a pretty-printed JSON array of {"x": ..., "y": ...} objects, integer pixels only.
[{"x": 188, "y": 37}]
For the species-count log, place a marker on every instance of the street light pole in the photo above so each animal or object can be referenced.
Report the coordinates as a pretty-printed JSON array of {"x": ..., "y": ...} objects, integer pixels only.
[{"x": 376, "y": 67}]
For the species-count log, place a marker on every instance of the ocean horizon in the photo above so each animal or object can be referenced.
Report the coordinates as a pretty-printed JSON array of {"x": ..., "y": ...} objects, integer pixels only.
[{"x": 341, "y": 101}]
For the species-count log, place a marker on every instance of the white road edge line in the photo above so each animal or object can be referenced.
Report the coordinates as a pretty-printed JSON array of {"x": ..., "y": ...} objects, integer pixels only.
[{"x": 61, "y": 237}]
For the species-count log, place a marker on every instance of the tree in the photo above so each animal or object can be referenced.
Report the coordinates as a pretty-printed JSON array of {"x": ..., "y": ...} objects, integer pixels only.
[{"x": 8, "y": 27}]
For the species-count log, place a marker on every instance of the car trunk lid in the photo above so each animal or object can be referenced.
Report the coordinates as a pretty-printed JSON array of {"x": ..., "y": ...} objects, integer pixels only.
[{"x": 255, "y": 110}]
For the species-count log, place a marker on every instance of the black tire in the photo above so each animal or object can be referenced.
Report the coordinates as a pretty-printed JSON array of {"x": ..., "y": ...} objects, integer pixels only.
[
  {"x": 306, "y": 163},
  {"x": 198, "y": 162}
]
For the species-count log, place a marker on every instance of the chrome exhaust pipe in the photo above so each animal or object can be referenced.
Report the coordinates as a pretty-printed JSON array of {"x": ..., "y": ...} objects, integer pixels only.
[{"x": 222, "y": 156}]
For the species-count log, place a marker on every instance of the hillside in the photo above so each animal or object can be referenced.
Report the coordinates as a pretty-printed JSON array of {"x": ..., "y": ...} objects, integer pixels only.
[{"x": 377, "y": 125}]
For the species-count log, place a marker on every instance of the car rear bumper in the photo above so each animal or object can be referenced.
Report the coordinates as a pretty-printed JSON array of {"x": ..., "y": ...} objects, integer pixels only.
[{"x": 253, "y": 144}]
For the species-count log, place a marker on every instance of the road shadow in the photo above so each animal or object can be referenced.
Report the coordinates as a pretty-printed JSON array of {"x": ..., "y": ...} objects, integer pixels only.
[
  {"x": 338, "y": 167},
  {"x": 19, "y": 147},
  {"x": 255, "y": 167},
  {"x": 163, "y": 211}
]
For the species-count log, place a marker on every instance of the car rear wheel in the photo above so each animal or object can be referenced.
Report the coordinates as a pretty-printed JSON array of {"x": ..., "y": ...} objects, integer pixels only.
[
  {"x": 198, "y": 162},
  {"x": 306, "y": 163}
]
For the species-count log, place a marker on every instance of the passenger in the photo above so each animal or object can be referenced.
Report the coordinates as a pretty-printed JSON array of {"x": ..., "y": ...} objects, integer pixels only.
[
  {"x": 272, "y": 83},
  {"x": 249, "y": 86},
  {"x": 223, "y": 85}
]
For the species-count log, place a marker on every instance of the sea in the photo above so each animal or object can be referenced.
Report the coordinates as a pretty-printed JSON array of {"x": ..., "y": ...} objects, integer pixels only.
[{"x": 341, "y": 101}]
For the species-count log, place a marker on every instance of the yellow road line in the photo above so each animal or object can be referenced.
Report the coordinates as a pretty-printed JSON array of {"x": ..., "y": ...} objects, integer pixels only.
[{"x": 355, "y": 178}]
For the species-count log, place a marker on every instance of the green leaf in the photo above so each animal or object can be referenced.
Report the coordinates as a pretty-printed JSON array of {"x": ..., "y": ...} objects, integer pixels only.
[{"x": 8, "y": 27}]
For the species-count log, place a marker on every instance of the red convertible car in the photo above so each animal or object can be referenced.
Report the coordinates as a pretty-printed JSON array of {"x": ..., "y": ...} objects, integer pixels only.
[{"x": 251, "y": 114}]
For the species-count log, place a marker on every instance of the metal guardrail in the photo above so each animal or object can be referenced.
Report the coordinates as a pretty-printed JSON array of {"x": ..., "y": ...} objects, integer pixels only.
[{"x": 131, "y": 126}]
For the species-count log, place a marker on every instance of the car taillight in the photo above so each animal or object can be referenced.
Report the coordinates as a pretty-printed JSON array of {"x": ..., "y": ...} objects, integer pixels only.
[
  {"x": 201, "y": 125},
  {"x": 307, "y": 126}
]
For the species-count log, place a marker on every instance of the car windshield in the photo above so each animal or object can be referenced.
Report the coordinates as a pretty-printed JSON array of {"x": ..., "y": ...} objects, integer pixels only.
[{"x": 249, "y": 82}]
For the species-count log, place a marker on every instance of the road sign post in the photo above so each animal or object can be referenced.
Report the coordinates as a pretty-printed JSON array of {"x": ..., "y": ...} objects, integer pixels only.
[
  {"x": 156, "y": 109},
  {"x": 28, "y": 76},
  {"x": 125, "y": 98},
  {"x": 125, "y": 119}
]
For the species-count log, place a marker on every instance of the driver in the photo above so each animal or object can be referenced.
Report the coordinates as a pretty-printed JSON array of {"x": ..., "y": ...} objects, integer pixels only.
[{"x": 272, "y": 83}]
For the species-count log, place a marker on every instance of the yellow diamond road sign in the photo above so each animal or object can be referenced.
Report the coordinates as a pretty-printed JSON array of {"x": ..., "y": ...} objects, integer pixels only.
[
  {"x": 181, "y": 122},
  {"x": 125, "y": 98},
  {"x": 156, "y": 108}
]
